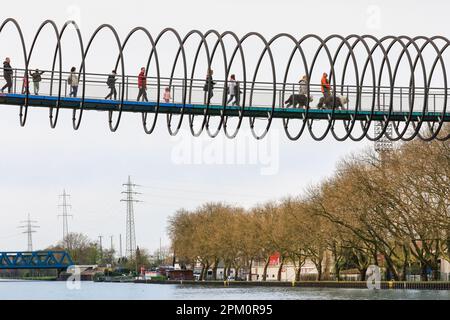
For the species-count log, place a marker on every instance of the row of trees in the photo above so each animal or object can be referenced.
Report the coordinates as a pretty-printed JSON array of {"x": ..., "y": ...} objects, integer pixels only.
[
  {"x": 83, "y": 250},
  {"x": 391, "y": 210}
]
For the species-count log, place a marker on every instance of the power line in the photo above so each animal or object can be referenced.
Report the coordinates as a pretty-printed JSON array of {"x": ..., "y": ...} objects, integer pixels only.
[
  {"x": 29, "y": 226},
  {"x": 218, "y": 193},
  {"x": 130, "y": 245},
  {"x": 65, "y": 205}
]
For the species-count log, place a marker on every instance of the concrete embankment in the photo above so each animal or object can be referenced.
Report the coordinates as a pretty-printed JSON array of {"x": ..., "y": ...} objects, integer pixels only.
[{"x": 309, "y": 284}]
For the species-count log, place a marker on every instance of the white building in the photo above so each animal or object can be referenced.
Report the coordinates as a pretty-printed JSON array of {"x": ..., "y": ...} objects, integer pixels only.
[
  {"x": 288, "y": 271},
  {"x": 445, "y": 270}
]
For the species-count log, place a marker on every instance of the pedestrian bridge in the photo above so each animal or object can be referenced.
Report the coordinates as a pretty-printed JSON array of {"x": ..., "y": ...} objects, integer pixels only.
[
  {"x": 395, "y": 86},
  {"x": 35, "y": 260}
]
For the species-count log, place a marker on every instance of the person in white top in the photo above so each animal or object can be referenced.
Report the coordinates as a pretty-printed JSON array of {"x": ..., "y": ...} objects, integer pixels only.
[
  {"x": 304, "y": 86},
  {"x": 232, "y": 86}
]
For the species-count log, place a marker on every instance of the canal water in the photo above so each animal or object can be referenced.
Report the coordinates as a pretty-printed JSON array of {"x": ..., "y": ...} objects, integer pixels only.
[{"x": 37, "y": 290}]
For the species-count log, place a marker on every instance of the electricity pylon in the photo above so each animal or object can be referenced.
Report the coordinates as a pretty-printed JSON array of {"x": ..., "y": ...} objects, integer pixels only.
[
  {"x": 130, "y": 245},
  {"x": 29, "y": 226}
]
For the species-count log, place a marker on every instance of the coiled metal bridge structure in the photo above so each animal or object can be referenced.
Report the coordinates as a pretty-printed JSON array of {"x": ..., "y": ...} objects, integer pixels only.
[{"x": 397, "y": 83}]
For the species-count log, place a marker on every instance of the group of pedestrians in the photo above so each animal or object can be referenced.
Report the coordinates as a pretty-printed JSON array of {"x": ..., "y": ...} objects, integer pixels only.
[
  {"x": 324, "y": 85},
  {"x": 36, "y": 77},
  {"x": 142, "y": 86},
  {"x": 233, "y": 89},
  {"x": 73, "y": 80}
]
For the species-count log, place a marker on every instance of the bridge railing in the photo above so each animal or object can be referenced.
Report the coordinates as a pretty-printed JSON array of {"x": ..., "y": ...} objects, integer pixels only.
[{"x": 254, "y": 94}]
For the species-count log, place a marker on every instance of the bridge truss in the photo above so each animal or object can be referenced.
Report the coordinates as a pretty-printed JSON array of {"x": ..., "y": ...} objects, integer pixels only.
[{"x": 35, "y": 260}]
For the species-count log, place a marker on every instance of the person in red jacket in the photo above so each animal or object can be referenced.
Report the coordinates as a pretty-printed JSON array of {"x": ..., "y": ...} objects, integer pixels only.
[
  {"x": 26, "y": 85},
  {"x": 142, "y": 84},
  {"x": 326, "y": 89}
]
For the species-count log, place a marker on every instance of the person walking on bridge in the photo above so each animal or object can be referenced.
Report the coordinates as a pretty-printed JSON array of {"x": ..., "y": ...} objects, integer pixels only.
[
  {"x": 37, "y": 78},
  {"x": 7, "y": 75},
  {"x": 232, "y": 86},
  {"x": 26, "y": 85},
  {"x": 325, "y": 85},
  {"x": 111, "y": 82},
  {"x": 73, "y": 82},
  {"x": 209, "y": 85},
  {"x": 167, "y": 96},
  {"x": 238, "y": 92},
  {"x": 142, "y": 84},
  {"x": 304, "y": 86}
]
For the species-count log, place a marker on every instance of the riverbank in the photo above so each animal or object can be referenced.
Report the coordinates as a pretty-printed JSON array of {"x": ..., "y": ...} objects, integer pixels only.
[
  {"x": 385, "y": 285},
  {"x": 30, "y": 279}
]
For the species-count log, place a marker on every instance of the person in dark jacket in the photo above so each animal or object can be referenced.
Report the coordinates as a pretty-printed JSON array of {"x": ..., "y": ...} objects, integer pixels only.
[
  {"x": 7, "y": 75},
  {"x": 111, "y": 82},
  {"x": 73, "y": 80},
  {"x": 37, "y": 78},
  {"x": 142, "y": 84},
  {"x": 237, "y": 93},
  {"x": 209, "y": 86}
]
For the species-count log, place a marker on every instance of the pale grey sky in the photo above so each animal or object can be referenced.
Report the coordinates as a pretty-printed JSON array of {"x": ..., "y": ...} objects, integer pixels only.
[{"x": 37, "y": 163}]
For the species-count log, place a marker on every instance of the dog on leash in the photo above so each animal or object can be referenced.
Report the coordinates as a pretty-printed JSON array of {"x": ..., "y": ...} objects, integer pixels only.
[
  {"x": 297, "y": 100},
  {"x": 327, "y": 103}
]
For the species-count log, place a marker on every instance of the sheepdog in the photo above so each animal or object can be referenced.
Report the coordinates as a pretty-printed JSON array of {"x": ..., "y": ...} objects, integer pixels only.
[
  {"x": 327, "y": 103},
  {"x": 297, "y": 100}
]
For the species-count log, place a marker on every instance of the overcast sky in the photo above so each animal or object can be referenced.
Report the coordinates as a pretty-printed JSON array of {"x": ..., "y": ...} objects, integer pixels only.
[{"x": 37, "y": 163}]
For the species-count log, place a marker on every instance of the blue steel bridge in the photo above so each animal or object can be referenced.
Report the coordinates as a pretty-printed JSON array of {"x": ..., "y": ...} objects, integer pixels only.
[
  {"x": 59, "y": 260},
  {"x": 364, "y": 69}
]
